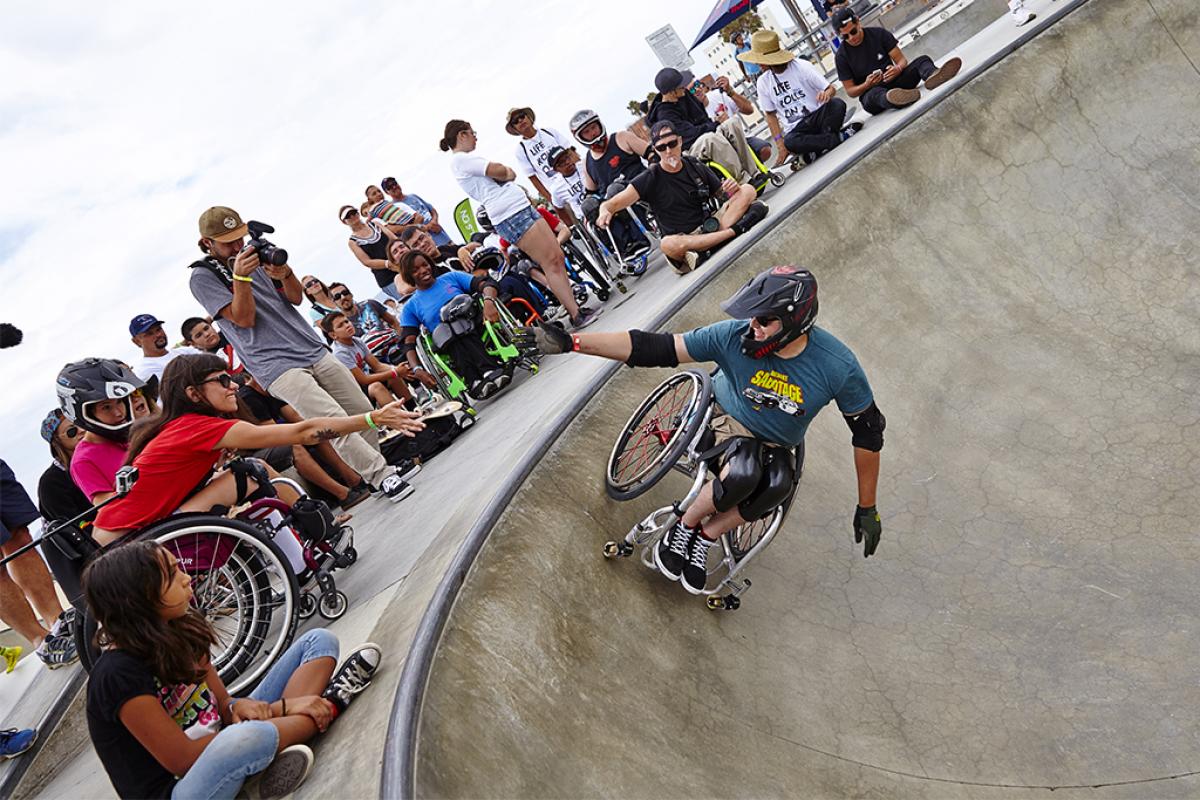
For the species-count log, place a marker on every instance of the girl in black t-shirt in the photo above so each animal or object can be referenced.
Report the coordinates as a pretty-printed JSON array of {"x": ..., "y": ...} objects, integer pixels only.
[{"x": 158, "y": 715}]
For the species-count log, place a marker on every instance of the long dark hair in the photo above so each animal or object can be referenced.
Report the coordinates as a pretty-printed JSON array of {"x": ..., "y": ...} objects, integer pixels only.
[
  {"x": 180, "y": 374},
  {"x": 324, "y": 289},
  {"x": 450, "y": 136},
  {"x": 123, "y": 587}
]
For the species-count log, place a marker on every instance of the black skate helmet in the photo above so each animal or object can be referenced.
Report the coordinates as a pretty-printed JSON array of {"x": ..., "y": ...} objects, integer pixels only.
[
  {"x": 489, "y": 258},
  {"x": 581, "y": 120},
  {"x": 83, "y": 384},
  {"x": 788, "y": 293},
  {"x": 481, "y": 216}
]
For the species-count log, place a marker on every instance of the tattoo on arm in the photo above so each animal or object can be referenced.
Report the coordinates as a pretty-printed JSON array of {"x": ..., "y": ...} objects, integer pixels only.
[{"x": 325, "y": 435}]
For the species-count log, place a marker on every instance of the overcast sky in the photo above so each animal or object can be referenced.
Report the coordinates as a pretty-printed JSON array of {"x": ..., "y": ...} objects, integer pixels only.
[{"x": 121, "y": 122}]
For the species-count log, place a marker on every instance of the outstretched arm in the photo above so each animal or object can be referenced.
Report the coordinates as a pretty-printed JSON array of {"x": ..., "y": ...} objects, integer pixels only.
[
  {"x": 636, "y": 348},
  {"x": 244, "y": 436}
]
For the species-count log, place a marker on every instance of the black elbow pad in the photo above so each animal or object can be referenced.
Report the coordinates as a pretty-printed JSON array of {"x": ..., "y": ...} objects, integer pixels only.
[
  {"x": 866, "y": 428},
  {"x": 651, "y": 350}
]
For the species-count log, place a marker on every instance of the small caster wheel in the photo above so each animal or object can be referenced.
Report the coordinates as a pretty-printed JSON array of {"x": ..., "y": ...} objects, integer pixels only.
[
  {"x": 348, "y": 557},
  {"x": 777, "y": 179},
  {"x": 796, "y": 164},
  {"x": 716, "y": 603},
  {"x": 727, "y": 603},
  {"x": 617, "y": 549},
  {"x": 334, "y": 604},
  {"x": 621, "y": 287},
  {"x": 602, "y": 295},
  {"x": 732, "y": 602},
  {"x": 308, "y": 605}
]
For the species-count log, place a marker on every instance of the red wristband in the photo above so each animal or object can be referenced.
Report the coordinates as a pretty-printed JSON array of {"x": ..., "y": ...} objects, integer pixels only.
[{"x": 575, "y": 343}]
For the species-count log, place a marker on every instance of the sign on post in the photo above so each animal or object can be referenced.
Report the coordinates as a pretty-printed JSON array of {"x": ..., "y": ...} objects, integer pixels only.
[
  {"x": 464, "y": 218},
  {"x": 669, "y": 48}
]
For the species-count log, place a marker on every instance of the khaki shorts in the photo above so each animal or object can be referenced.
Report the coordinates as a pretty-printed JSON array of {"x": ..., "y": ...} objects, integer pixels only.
[{"x": 725, "y": 427}]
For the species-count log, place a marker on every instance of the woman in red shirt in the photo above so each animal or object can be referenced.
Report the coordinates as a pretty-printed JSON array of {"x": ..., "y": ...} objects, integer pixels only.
[{"x": 176, "y": 449}]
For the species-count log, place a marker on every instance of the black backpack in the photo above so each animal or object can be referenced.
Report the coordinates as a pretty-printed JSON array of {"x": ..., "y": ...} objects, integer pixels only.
[{"x": 436, "y": 437}]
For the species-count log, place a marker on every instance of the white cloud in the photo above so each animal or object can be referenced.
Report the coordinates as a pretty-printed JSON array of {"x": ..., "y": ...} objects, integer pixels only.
[{"x": 121, "y": 122}]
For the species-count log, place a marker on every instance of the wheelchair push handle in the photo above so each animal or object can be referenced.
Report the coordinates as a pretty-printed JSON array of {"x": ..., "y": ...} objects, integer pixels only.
[{"x": 125, "y": 479}]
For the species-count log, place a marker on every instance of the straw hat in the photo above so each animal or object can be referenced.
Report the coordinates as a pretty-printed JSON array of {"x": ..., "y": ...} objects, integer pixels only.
[
  {"x": 765, "y": 50},
  {"x": 513, "y": 113}
]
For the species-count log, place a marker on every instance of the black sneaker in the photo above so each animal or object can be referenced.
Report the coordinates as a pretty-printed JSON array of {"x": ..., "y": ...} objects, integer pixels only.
[
  {"x": 850, "y": 130},
  {"x": 755, "y": 214},
  {"x": 695, "y": 571},
  {"x": 673, "y": 550},
  {"x": 355, "y": 496},
  {"x": 395, "y": 488},
  {"x": 353, "y": 675},
  {"x": 407, "y": 468}
]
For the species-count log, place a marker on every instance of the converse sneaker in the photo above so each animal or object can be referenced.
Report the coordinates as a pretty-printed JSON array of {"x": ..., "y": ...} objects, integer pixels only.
[
  {"x": 395, "y": 488},
  {"x": 850, "y": 130},
  {"x": 285, "y": 774},
  {"x": 57, "y": 651},
  {"x": 353, "y": 675},
  {"x": 695, "y": 571},
  {"x": 944, "y": 73},
  {"x": 407, "y": 468},
  {"x": 755, "y": 214},
  {"x": 14, "y": 742},
  {"x": 673, "y": 549}
]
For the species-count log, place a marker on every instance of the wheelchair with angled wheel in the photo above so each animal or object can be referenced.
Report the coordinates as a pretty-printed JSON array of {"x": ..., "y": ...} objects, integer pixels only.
[
  {"x": 497, "y": 339},
  {"x": 671, "y": 431},
  {"x": 242, "y": 582}
]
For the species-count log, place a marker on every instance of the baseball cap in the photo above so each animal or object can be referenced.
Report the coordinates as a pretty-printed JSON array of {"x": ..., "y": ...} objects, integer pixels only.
[
  {"x": 222, "y": 224},
  {"x": 342, "y": 212},
  {"x": 842, "y": 16},
  {"x": 668, "y": 79},
  {"x": 388, "y": 182},
  {"x": 50, "y": 424},
  {"x": 142, "y": 323},
  {"x": 555, "y": 154},
  {"x": 661, "y": 127}
]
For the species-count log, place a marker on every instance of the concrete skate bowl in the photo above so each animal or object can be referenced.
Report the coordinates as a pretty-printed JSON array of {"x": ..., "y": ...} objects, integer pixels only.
[{"x": 1017, "y": 271}]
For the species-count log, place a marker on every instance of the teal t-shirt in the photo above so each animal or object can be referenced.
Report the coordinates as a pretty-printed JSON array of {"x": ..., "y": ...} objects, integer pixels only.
[{"x": 775, "y": 397}]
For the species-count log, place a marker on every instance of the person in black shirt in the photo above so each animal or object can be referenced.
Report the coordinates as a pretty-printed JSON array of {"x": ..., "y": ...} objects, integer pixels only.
[
  {"x": 873, "y": 68},
  {"x": 59, "y": 499},
  {"x": 677, "y": 189}
]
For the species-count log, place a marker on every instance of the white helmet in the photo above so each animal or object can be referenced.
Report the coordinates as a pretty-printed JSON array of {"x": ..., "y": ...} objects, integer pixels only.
[{"x": 581, "y": 120}]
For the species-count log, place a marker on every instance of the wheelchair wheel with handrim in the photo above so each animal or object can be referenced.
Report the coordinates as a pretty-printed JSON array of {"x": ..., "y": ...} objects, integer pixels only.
[
  {"x": 657, "y": 434},
  {"x": 241, "y": 583}
]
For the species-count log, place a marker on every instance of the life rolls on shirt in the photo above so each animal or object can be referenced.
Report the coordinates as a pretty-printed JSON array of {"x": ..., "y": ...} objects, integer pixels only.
[{"x": 791, "y": 94}]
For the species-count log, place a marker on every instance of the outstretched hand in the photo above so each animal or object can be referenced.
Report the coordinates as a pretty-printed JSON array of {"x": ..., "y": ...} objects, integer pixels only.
[
  {"x": 550, "y": 340},
  {"x": 867, "y": 529},
  {"x": 396, "y": 417}
]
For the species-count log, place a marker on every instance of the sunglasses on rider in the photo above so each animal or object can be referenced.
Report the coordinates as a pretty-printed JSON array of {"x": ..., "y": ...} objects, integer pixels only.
[
  {"x": 225, "y": 379},
  {"x": 312, "y": 283},
  {"x": 663, "y": 147},
  {"x": 340, "y": 295},
  {"x": 763, "y": 322},
  {"x": 71, "y": 432}
]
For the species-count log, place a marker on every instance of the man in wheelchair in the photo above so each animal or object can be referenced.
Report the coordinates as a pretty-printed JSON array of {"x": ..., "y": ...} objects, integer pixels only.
[
  {"x": 682, "y": 192},
  {"x": 445, "y": 306},
  {"x": 776, "y": 371}
]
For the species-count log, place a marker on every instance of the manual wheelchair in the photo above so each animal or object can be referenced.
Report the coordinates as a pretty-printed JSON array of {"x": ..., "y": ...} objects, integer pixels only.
[
  {"x": 671, "y": 430},
  {"x": 498, "y": 342}
]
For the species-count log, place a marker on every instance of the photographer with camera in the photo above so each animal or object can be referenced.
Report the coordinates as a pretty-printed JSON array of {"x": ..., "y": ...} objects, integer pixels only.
[
  {"x": 679, "y": 189},
  {"x": 250, "y": 286}
]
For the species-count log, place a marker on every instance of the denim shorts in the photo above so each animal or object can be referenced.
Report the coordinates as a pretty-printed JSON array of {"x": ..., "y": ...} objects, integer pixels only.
[{"x": 516, "y": 226}]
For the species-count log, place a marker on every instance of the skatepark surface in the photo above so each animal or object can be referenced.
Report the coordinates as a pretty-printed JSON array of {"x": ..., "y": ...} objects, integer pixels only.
[{"x": 1017, "y": 271}]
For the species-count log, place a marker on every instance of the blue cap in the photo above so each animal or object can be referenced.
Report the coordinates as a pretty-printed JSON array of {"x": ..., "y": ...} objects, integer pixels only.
[
  {"x": 50, "y": 424},
  {"x": 142, "y": 323}
]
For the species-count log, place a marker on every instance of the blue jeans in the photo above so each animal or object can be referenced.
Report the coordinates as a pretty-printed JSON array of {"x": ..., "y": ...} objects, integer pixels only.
[
  {"x": 247, "y": 748},
  {"x": 516, "y": 226}
]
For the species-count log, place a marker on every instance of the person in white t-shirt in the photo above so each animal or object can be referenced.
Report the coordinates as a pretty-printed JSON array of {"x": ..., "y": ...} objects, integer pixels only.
[
  {"x": 532, "y": 150},
  {"x": 801, "y": 106},
  {"x": 147, "y": 333},
  {"x": 492, "y": 185}
]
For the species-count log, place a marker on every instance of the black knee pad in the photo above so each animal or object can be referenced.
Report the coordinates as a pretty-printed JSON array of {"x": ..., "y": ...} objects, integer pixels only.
[
  {"x": 777, "y": 482},
  {"x": 743, "y": 475}
]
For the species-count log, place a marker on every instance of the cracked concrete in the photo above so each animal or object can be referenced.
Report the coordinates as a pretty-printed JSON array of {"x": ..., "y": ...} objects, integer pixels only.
[{"x": 1024, "y": 299}]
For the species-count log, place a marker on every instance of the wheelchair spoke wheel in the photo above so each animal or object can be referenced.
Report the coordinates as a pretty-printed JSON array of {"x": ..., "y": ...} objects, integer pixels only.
[
  {"x": 243, "y": 585},
  {"x": 745, "y": 537},
  {"x": 657, "y": 434}
]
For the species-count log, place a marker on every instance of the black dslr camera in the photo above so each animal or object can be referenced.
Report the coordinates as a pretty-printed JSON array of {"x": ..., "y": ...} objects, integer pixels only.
[{"x": 267, "y": 252}]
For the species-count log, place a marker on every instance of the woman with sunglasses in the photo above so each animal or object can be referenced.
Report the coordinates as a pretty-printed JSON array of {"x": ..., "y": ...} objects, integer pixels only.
[
  {"x": 776, "y": 371},
  {"x": 493, "y": 186},
  {"x": 369, "y": 240},
  {"x": 321, "y": 302},
  {"x": 176, "y": 449},
  {"x": 59, "y": 499}
]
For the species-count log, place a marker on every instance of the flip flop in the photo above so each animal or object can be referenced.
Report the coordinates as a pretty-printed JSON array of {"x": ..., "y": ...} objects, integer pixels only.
[{"x": 442, "y": 409}]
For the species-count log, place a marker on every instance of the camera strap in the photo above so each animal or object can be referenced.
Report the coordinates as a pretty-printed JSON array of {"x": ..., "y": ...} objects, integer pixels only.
[{"x": 224, "y": 274}]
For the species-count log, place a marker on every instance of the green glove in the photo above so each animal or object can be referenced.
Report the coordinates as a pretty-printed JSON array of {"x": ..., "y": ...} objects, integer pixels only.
[
  {"x": 868, "y": 528},
  {"x": 550, "y": 340}
]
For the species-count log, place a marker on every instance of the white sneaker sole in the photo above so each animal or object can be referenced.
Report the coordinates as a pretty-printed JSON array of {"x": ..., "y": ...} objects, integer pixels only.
[
  {"x": 286, "y": 773},
  {"x": 691, "y": 590},
  {"x": 413, "y": 470},
  {"x": 400, "y": 495}
]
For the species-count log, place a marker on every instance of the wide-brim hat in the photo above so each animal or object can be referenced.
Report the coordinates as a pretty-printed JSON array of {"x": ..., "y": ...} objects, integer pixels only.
[
  {"x": 765, "y": 50},
  {"x": 516, "y": 112}
]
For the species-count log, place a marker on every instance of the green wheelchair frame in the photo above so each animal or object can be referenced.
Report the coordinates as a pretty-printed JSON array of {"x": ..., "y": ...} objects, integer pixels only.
[
  {"x": 766, "y": 174},
  {"x": 497, "y": 342}
]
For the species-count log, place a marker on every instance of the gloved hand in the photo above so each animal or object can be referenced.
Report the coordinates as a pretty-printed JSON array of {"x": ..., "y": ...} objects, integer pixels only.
[
  {"x": 549, "y": 340},
  {"x": 867, "y": 526}
]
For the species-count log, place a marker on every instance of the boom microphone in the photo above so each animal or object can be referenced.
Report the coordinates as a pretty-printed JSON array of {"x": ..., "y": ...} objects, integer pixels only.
[{"x": 10, "y": 335}]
